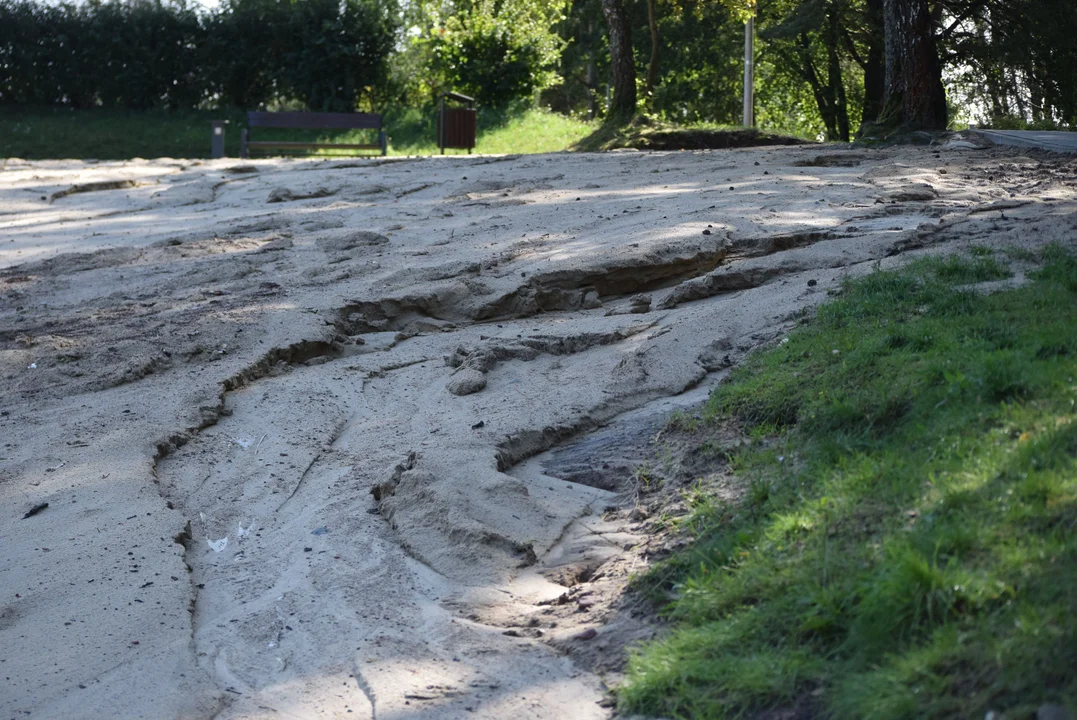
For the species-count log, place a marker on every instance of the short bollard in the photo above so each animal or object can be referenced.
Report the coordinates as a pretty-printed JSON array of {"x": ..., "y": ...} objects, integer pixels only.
[{"x": 216, "y": 143}]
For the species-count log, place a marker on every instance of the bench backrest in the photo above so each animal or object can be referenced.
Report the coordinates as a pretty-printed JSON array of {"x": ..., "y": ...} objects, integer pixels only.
[{"x": 311, "y": 120}]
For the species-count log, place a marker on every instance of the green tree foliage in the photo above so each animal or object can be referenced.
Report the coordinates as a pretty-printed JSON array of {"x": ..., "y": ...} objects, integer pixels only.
[
  {"x": 819, "y": 63},
  {"x": 820, "y": 43},
  {"x": 1013, "y": 60},
  {"x": 495, "y": 51},
  {"x": 700, "y": 73},
  {"x": 696, "y": 84}
]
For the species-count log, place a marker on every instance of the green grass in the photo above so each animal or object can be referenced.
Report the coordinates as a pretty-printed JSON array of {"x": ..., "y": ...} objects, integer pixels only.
[
  {"x": 34, "y": 133},
  {"x": 43, "y": 133},
  {"x": 907, "y": 547},
  {"x": 506, "y": 131},
  {"x": 1011, "y": 122}
]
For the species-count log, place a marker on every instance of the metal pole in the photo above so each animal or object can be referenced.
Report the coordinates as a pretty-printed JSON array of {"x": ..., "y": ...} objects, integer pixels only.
[
  {"x": 441, "y": 125},
  {"x": 749, "y": 72}
]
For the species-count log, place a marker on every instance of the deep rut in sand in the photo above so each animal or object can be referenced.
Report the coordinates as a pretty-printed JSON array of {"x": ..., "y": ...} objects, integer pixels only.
[{"x": 311, "y": 588}]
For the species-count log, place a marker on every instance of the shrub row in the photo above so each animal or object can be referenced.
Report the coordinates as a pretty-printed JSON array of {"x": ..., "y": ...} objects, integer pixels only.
[{"x": 325, "y": 54}]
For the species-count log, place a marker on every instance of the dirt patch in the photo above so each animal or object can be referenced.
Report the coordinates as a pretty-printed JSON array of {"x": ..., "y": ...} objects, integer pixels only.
[
  {"x": 645, "y": 134},
  {"x": 841, "y": 159},
  {"x": 94, "y": 187},
  {"x": 692, "y": 139}
]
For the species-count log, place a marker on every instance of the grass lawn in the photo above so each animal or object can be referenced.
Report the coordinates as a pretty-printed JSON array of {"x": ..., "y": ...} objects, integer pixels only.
[
  {"x": 907, "y": 543},
  {"x": 42, "y": 133}
]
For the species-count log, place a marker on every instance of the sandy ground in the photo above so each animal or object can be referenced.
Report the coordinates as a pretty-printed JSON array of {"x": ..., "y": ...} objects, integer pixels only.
[{"x": 351, "y": 438}]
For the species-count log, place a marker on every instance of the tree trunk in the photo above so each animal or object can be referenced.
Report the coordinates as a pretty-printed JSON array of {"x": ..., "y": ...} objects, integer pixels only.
[
  {"x": 915, "y": 98},
  {"x": 622, "y": 63},
  {"x": 652, "y": 67},
  {"x": 592, "y": 74},
  {"x": 874, "y": 70},
  {"x": 592, "y": 90},
  {"x": 823, "y": 94},
  {"x": 834, "y": 78}
]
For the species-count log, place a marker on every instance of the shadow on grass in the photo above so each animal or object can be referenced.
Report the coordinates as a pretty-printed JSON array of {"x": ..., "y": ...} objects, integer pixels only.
[
  {"x": 644, "y": 133},
  {"x": 907, "y": 548},
  {"x": 49, "y": 133}
]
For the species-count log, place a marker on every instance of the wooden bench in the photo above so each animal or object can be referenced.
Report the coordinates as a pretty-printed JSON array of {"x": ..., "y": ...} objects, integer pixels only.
[{"x": 311, "y": 121}]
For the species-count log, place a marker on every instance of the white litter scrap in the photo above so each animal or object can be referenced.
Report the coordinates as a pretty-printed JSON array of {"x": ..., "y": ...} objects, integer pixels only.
[{"x": 217, "y": 545}]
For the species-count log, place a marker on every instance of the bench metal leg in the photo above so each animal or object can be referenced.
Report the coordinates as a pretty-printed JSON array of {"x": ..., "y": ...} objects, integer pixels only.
[
  {"x": 243, "y": 143},
  {"x": 384, "y": 142}
]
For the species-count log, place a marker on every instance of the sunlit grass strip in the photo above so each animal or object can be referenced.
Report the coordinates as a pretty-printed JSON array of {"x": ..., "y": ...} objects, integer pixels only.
[
  {"x": 110, "y": 134},
  {"x": 908, "y": 543}
]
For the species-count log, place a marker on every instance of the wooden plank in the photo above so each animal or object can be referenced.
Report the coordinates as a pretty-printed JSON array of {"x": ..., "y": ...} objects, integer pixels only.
[{"x": 314, "y": 121}]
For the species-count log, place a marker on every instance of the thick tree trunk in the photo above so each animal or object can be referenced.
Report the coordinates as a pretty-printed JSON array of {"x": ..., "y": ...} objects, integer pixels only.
[
  {"x": 622, "y": 63},
  {"x": 915, "y": 98},
  {"x": 652, "y": 67}
]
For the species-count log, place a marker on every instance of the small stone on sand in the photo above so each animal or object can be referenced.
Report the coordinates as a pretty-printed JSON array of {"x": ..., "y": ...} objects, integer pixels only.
[{"x": 466, "y": 382}]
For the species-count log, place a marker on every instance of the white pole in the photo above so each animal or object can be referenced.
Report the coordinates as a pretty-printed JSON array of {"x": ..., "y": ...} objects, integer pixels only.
[{"x": 749, "y": 72}]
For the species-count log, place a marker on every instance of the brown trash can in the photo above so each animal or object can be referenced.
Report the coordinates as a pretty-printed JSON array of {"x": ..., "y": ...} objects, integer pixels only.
[{"x": 457, "y": 127}]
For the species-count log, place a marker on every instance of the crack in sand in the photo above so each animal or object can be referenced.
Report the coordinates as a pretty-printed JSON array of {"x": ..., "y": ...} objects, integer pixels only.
[{"x": 306, "y": 471}]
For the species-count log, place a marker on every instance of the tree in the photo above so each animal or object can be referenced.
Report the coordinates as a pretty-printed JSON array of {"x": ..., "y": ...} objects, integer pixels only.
[
  {"x": 1014, "y": 61},
  {"x": 656, "y": 44},
  {"x": 622, "y": 63},
  {"x": 872, "y": 61},
  {"x": 820, "y": 41},
  {"x": 914, "y": 95},
  {"x": 496, "y": 51}
]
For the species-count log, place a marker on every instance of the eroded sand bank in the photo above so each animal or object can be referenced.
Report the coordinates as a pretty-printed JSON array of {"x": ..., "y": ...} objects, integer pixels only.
[{"x": 282, "y": 411}]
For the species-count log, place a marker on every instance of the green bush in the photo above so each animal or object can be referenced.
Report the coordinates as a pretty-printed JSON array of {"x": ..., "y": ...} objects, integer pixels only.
[
  {"x": 135, "y": 55},
  {"x": 484, "y": 59},
  {"x": 323, "y": 54},
  {"x": 498, "y": 53}
]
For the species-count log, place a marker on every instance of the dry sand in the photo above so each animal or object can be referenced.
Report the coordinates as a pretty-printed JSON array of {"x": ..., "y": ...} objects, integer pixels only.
[{"x": 291, "y": 418}]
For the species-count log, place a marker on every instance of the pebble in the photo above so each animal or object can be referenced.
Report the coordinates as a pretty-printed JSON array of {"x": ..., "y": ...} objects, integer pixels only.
[
  {"x": 466, "y": 382},
  {"x": 591, "y": 301}
]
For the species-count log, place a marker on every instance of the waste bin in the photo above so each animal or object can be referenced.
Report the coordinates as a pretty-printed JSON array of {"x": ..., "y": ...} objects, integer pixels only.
[{"x": 457, "y": 126}]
